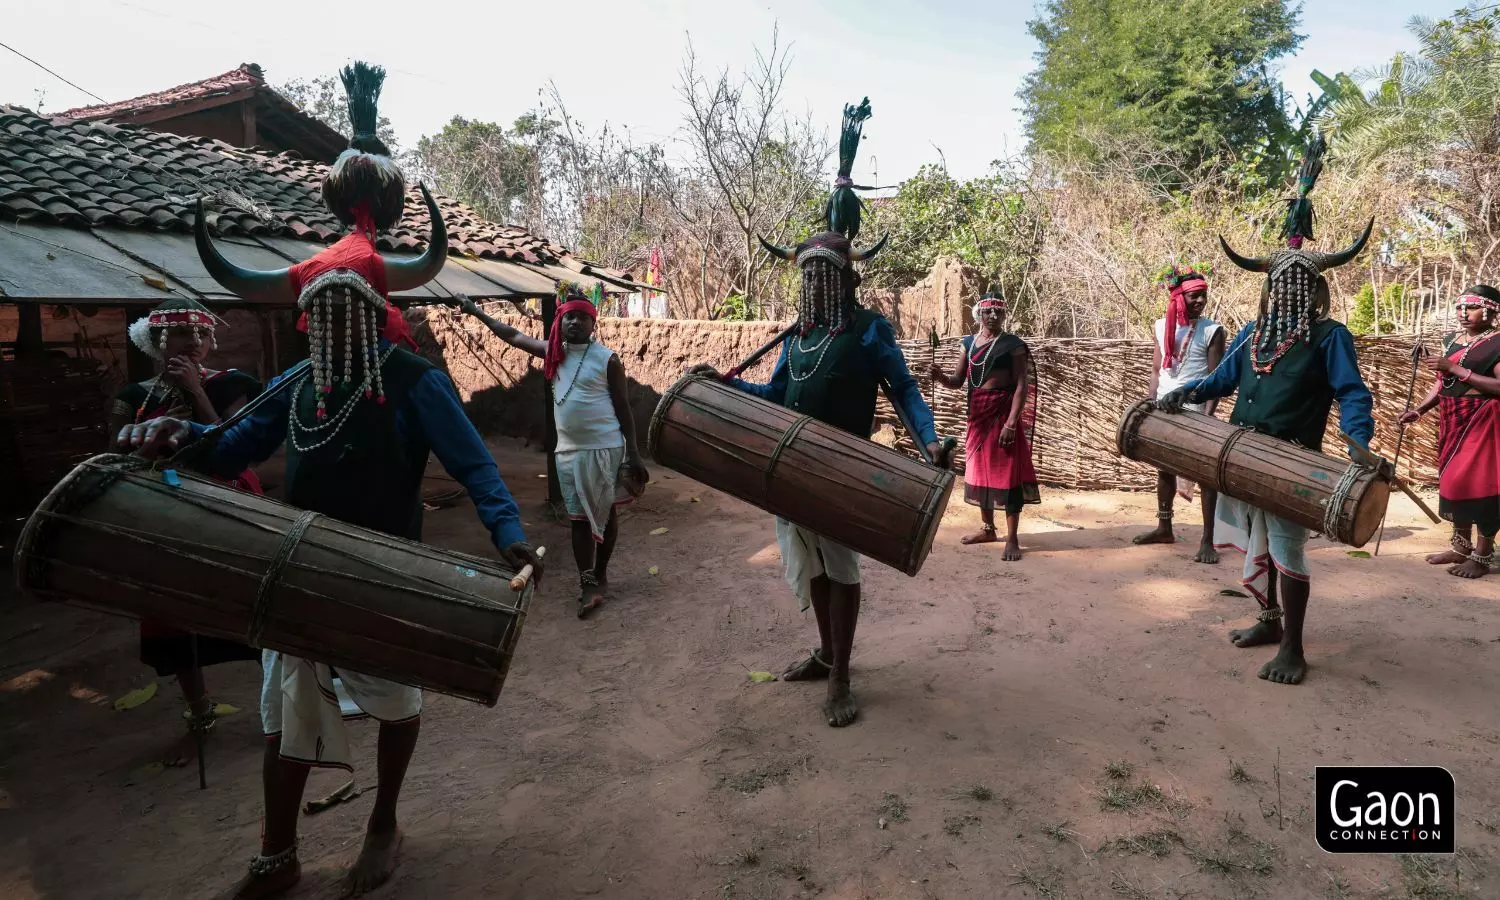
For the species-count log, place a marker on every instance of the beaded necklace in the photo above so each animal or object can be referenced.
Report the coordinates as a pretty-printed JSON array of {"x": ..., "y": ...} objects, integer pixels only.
[
  {"x": 984, "y": 363},
  {"x": 335, "y": 423},
  {"x": 166, "y": 398},
  {"x": 582, "y": 358},
  {"x": 1264, "y": 367},
  {"x": 1450, "y": 379},
  {"x": 821, "y": 348}
]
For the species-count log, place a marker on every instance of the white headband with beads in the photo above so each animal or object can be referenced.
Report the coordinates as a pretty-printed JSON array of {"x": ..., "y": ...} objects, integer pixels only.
[{"x": 200, "y": 320}]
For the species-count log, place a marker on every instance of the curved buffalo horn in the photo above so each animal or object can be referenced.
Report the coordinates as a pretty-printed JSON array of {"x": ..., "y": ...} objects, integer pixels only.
[
  {"x": 409, "y": 274},
  {"x": 1253, "y": 264},
  {"x": 858, "y": 255},
  {"x": 1326, "y": 261},
  {"x": 273, "y": 286},
  {"x": 787, "y": 253}
]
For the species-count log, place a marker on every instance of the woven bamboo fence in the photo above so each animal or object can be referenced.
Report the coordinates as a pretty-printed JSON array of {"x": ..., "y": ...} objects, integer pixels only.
[{"x": 1087, "y": 385}]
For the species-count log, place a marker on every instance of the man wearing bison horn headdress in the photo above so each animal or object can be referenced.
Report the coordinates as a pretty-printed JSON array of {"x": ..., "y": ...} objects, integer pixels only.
[
  {"x": 1289, "y": 366},
  {"x": 359, "y": 425},
  {"x": 830, "y": 368}
]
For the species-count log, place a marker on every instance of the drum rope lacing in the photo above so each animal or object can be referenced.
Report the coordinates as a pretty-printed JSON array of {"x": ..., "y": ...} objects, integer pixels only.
[
  {"x": 1333, "y": 507},
  {"x": 262, "y": 608},
  {"x": 1221, "y": 466}
]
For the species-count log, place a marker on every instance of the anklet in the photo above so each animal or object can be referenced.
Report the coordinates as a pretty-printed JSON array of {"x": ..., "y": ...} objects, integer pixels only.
[
  {"x": 1461, "y": 544},
  {"x": 1487, "y": 560},
  {"x": 262, "y": 866},
  {"x": 1269, "y": 615},
  {"x": 987, "y": 529}
]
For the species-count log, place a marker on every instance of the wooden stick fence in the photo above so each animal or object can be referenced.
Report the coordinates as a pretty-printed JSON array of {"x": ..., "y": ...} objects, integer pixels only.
[{"x": 1086, "y": 386}]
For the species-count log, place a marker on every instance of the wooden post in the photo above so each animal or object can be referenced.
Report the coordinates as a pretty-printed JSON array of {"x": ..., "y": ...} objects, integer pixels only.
[
  {"x": 554, "y": 488},
  {"x": 138, "y": 366},
  {"x": 29, "y": 341},
  {"x": 270, "y": 365},
  {"x": 247, "y": 119}
]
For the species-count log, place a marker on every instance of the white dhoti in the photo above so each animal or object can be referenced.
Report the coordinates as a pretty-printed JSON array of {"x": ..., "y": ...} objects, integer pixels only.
[
  {"x": 302, "y": 701},
  {"x": 807, "y": 555},
  {"x": 592, "y": 486}
]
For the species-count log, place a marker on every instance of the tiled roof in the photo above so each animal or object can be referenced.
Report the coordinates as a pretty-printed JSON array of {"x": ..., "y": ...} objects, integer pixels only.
[
  {"x": 247, "y": 77},
  {"x": 94, "y": 174}
]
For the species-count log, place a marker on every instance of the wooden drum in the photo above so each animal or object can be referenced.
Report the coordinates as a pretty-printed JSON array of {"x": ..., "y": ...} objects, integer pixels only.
[
  {"x": 116, "y": 535},
  {"x": 873, "y": 500},
  {"x": 1271, "y": 474}
]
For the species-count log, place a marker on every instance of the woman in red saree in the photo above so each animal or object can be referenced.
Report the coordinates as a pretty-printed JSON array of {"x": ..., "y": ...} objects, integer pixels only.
[
  {"x": 998, "y": 470},
  {"x": 1467, "y": 394},
  {"x": 179, "y": 334}
]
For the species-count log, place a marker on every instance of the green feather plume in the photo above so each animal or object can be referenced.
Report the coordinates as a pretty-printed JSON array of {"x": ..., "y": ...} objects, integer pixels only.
[
  {"x": 362, "y": 83},
  {"x": 844, "y": 205},
  {"x": 1299, "y": 211}
]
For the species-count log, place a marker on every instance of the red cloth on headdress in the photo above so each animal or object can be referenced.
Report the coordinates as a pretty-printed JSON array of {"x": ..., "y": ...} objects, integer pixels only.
[
  {"x": 1187, "y": 283},
  {"x": 555, "y": 351},
  {"x": 355, "y": 252}
]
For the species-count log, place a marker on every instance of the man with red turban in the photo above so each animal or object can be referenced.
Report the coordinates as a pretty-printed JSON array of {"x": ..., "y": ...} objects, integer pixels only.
[
  {"x": 599, "y": 464},
  {"x": 1188, "y": 346}
]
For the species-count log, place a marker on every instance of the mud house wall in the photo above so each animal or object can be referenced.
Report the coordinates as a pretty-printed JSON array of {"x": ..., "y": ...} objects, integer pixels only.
[
  {"x": 503, "y": 389},
  {"x": 943, "y": 300}
]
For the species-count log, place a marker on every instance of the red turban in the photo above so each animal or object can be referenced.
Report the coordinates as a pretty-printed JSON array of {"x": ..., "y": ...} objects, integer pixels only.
[
  {"x": 356, "y": 253},
  {"x": 1179, "y": 284},
  {"x": 555, "y": 351}
]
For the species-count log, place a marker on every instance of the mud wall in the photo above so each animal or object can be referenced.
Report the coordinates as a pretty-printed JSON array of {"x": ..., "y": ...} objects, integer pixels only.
[{"x": 503, "y": 388}]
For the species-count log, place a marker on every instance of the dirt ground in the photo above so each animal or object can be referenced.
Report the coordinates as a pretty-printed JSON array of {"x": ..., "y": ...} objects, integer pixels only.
[{"x": 1073, "y": 725}]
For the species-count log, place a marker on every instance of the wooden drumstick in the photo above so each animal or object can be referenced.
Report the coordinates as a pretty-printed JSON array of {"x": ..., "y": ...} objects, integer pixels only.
[{"x": 522, "y": 577}]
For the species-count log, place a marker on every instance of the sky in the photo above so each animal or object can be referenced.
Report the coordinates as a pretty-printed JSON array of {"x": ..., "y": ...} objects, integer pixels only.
[{"x": 941, "y": 75}]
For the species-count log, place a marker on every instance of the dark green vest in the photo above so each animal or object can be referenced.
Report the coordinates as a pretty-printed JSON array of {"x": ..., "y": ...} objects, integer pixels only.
[
  {"x": 835, "y": 383},
  {"x": 368, "y": 475},
  {"x": 1292, "y": 402}
]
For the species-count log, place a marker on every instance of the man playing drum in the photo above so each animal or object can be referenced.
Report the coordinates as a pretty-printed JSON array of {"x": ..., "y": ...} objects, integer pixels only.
[
  {"x": 357, "y": 451},
  {"x": 1289, "y": 366},
  {"x": 831, "y": 368},
  {"x": 599, "y": 464},
  {"x": 1194, "y": 348}
]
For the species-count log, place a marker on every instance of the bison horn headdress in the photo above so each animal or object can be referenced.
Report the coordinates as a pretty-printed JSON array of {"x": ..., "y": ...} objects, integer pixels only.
[
  {"x": 1295, "y": 294},
  {"x": 827, "y": 258},
  {"x": 366, "y": 190}
]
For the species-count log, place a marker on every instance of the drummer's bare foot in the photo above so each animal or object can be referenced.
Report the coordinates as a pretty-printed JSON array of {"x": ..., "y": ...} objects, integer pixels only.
[
  {"x": 1012, "y": 550},
  {"x": 1288, "y": 667},
  {"x": 377, "y": 860},
  {"x": 1161, "y": 534},
  {"x": 1256, "y": 635},
  {"x": 810, "y": 669},
  {"x": 1206, "y": 553},
  {"x": 1446, "y": 558},
  {"x": 1469, "y": 569},
  {"x": 839, "y": 709},
  {"x": 258, "y": 887},
  {"x": 982, "y": 536}
]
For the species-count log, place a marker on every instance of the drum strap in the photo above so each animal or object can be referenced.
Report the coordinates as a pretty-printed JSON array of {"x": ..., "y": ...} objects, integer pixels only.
[
  {"x": 268, "y": 582},
  {"x": 786, "y": 440}
]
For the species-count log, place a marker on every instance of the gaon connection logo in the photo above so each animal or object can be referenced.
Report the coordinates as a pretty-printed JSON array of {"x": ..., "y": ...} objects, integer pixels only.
[{"x": 1385, "y": 809}]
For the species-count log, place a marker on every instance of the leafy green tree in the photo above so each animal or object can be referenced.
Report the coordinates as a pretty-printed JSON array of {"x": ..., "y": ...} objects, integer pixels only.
[
  {"x": 992, "y": 223},
  {"x": 1431, "y": 120},
  {"x": 1192, "y": 75},
  {"x": 485, "y": 165}
]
